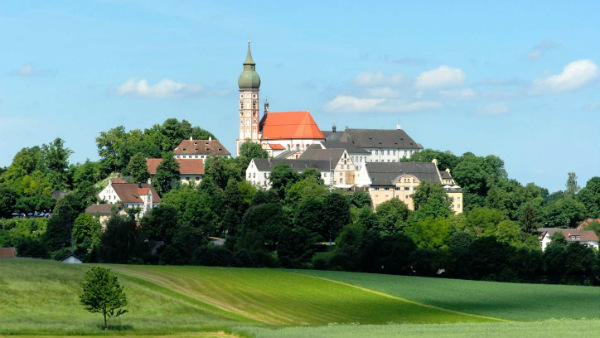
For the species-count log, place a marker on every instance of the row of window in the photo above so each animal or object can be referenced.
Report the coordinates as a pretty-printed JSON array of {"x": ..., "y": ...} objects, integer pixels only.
[
  {"x": 192, "y": 156},
  {"x": 391, "y": 152}
]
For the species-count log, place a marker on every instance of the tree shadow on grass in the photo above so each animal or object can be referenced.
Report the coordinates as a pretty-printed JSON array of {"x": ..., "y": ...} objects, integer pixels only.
[{"x": 117, "y": 327}]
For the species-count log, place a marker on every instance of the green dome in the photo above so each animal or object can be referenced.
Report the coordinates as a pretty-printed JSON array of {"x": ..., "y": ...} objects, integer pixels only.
[{"x": 249, "y": 78}]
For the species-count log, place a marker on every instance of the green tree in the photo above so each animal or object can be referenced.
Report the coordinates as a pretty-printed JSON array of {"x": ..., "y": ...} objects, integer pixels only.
[
  {"x": 430, "y": 200},
  {"x": 565, "y": 213},
  {"x": 87, "y": 232},
  {"x": 248, "y": 151},
  {"x": 528, "y": 218},
  {"x": 572, "y": 187},
  {"x": 432, "y": 233},
  {"x": 8, "y": 199},
  {"x": 58, "y": 233},
  {"x": 590, "y": 197},
  {"x": 392, "y": 216},
  {"x": 221, "y": 169},
  {"x": 138, "y": 168},
  {"x": 361, "y": 199},
  {"x": 57, "y": 161},
  {"x": 312, "y": 173},
  {"x": 282, "y": 178},
  {"x": 167, "y": 173},
  {"x": 336, "y": 215},
  {"x": 102, "y": 293},
  {"x": 509, "y": 232}
]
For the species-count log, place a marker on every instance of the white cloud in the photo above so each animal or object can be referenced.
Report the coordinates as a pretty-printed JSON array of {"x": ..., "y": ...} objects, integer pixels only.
[
  {"x": 458, "y": 94},
  {"x": 386, "y": 92},
  {"x": 538, "y": 51},
  {"x": 575, "y": 75},
  {"x": 166, "y": 88},
  {"x": 497, "y": 108},
  {"x": 371, "y": 79},
  {"x": 351, "y": 104},
  {"x": 441, "y": 77}
]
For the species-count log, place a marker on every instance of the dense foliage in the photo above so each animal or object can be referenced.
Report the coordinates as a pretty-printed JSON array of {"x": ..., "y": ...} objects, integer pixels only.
[{"x": 298, "y": 223}]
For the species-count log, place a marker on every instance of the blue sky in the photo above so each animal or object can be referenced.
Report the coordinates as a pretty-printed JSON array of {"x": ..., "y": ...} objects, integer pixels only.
[{"x": 515, "y": 79}]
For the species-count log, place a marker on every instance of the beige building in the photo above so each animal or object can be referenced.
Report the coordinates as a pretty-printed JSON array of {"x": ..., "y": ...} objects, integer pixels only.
[
  {"x": 387, "y": 180},
  {"x": 103, "y": 211}
]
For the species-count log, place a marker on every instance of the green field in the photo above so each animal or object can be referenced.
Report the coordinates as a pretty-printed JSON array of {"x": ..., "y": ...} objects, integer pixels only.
[
  {"x": 39, "y": 297},
  {"x": 512, "y": 301}
]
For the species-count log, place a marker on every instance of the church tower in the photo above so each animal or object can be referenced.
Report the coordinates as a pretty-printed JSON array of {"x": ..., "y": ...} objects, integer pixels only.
[{"x": 249, "y": 84}]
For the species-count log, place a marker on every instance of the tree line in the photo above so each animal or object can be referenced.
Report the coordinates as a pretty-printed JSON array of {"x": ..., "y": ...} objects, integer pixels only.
[{"x": 299, "y": 223}]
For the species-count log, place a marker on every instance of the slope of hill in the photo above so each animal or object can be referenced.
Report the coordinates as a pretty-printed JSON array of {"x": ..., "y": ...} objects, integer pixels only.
[{"x": 512, "y": 301}]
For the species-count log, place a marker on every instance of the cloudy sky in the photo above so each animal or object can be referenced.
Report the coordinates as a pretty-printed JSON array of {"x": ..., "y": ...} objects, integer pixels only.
[{"x": 516, "y": 79}]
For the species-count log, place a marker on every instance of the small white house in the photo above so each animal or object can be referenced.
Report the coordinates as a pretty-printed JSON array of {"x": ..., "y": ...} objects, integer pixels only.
[
  {"x": 141, "y": 195},
  {"x": 585, "y": 237}
]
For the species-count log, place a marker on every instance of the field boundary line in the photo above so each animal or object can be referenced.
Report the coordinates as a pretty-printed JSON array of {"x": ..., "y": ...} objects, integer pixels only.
[{"x": 387, "y": 295}]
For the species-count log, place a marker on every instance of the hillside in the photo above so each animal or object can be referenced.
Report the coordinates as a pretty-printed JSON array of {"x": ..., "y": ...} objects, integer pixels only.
[{"x": 41, "y": 297}]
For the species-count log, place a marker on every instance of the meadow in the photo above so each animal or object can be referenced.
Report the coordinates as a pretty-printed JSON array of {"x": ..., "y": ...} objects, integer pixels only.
[
  {"x": 511, "y": 301},
  {"x": 40, "y": 297}
]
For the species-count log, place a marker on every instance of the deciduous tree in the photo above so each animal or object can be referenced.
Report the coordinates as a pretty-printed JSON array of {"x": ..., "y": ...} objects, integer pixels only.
[{"x": 102, "y": 293}]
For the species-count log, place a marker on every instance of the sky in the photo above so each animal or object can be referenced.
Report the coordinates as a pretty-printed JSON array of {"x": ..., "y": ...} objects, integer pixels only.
[{"x": 516, "y": 79}]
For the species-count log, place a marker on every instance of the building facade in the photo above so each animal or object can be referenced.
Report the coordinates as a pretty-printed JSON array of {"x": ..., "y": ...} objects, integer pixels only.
[
  {"x": 388, "y": 180},
  {"x": 141, "y": 195}
]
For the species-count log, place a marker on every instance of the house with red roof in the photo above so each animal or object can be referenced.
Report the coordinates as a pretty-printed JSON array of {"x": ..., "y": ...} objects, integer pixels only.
[
  {"x": 191, "y": 171},
  {"x": 587, "y": 222},
  {"x": 130, "y": 195}
]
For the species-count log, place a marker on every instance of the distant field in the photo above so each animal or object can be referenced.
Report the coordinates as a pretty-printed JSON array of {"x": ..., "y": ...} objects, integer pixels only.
[
  {"x": 40, "y": 297},
  {"x": 513, "y": 301},
  {"x": 544, "y": 329},
  {"x": 284, "y": 298}
]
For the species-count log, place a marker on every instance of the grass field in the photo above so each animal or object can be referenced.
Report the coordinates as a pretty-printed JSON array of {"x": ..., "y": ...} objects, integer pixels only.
[
  {"x": 542, "y": 329},
  {"x": 512, "y": 301},
  {"x": 39, "y": 297},
  {"x": 284, "y": 298}
]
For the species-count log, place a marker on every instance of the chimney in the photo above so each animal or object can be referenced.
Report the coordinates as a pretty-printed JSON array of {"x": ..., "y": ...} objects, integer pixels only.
[
  {"x": 210, "y": 138},
  {"x": 191, "y": 138},
  {"x": 434, "y": 161},
  {"x": 139, "y": 184},
  {"x": 266, "y": 106},
  {"x": 334, "y": 128},
  {"x": 346, "y": 128},
  {"x": 398, "y": 126}
]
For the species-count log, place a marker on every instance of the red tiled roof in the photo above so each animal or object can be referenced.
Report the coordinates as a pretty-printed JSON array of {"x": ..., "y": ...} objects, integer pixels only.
[
  {"x": 191, "y": 166},
  {"x": 290, "y": 125},
  {"x": 102, "y": 209},
  {"x": 276, "y": 146},
  {"x": 201, "y": 147},
  {"x": 584, "y": 235},
  {"x": 118, "y": 180},
  {"x": 130, "y": 193},
  {"x": 587, "y": 222}
]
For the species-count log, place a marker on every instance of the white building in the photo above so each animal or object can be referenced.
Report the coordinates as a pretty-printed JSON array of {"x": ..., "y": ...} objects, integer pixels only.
[
  {"x": 140, "y": 195},
  {"x": 191, "y": 171},
  {"x": 339, "y": 171},
  {"x": 585, "y": 237}
]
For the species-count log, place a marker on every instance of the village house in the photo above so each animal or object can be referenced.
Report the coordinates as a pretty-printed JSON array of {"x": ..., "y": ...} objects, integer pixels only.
[
  {"x": 200, "y": 149},
  {"x": 585, "y": 237},
  {"x": 140, "y": 195},
  {"x": 103, "y": 211},
  {"x": 587, "y": 222},
  {"x": 191, "y": 171},
  {"x": 357, "y": 155},
  {"x": 388, "y": 180},
  {"x": 259, "y": 170},
  {"x": 341, "y": 165}
]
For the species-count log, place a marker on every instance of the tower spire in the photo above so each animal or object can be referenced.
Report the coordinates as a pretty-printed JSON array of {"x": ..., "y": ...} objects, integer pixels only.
[{"x": 249, "y": 61}]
